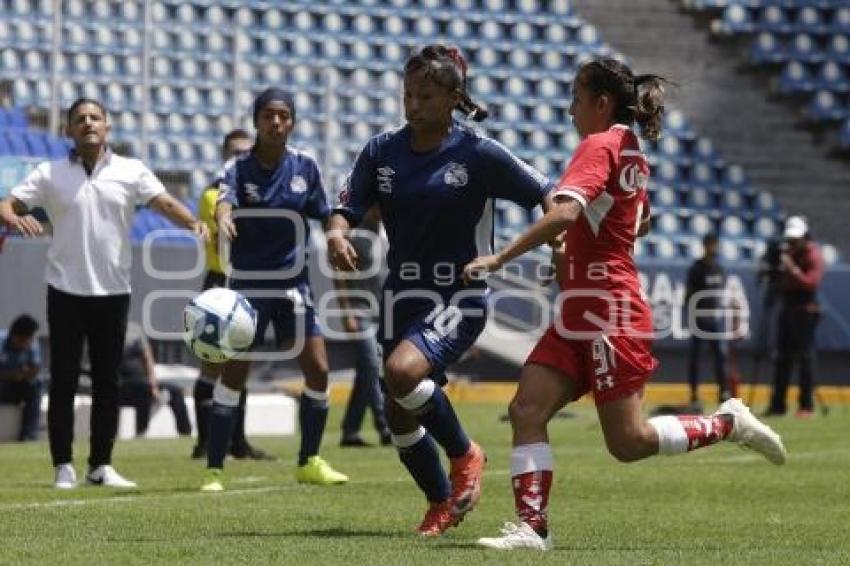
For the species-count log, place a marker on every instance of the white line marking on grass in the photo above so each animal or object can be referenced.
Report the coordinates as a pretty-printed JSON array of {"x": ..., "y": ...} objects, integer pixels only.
[
  {"x": 191, "y": 494},
  {"x": 142, "y": 497}
]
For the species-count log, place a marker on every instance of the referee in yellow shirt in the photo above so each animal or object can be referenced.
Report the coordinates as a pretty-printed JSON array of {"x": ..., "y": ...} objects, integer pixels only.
[{"x": 236, "y": 143}]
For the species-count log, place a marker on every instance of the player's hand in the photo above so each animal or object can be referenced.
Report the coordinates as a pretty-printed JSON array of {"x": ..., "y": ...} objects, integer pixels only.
[
  {"x": 350, "y": 324},
  {"x": 27, "y": 225},
  {"x": 341, "y": 254},
  {"x": 787, "y": 263},
  {"x": 227, "y": 227},
  {"x": 201, "y": 230},
  {"x": 480, "y": 267}
]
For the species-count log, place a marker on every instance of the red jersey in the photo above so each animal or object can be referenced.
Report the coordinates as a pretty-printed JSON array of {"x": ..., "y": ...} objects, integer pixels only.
[{"x": 601, "y": 292}]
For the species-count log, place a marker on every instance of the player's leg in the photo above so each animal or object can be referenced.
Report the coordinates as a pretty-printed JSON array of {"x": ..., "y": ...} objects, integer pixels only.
[
  {"x": 786, "y": 355},
  {"x": 234, "y": 374},
  {"x": 542, "y": 391},
  {"x": 629, "y": 438},
  {"x": 202, "y": 393},
  {"x": 418, "y": 453},
  {"x": 806, "y": 337},
  {"x": 208, "y": 375},
  {"x": 693, "y": 367},
  {"x": 105, "y": 332},
  {"x": 313, "y": 414},
  {"x": 358, "y": 399},
  {"x": 408, "y": 375},
  {"x": 66, "y": 333}
]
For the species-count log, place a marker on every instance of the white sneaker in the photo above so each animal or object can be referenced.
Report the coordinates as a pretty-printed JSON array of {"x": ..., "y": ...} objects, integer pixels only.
[
  {"x": 66, "y": 477},
  {"x": 108, "y": 477},
  {"x": 751, "y": 433},
  {"x": 514, "y": 537}
]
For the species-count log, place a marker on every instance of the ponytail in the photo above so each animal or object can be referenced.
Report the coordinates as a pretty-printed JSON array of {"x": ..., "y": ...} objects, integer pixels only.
[
  {"x": 636, "y": 98},
  {"x": 649, "y": 109}
]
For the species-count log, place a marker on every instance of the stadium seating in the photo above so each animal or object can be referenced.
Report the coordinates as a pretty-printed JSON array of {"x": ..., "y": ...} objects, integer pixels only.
[
  {"x": 342, "y": 61},
  {"x": 806, "y": 41}
]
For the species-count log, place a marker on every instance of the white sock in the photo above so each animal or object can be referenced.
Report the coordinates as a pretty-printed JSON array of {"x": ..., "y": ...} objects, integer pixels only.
[
  {"x": 223, "y": 395},
  {"x": 419, "y": 396},
  {"x": 531, "y": 458},
  {"x": 409, "y": 439},
  {"x": 672, "y": 437}
]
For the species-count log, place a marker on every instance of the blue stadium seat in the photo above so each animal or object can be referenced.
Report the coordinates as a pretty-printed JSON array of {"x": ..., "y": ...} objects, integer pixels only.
[
  {"x": 796, "y": 78},
  {"x": 803, "y": 47},
  {"x": 839, "y": 48},
  {"x": 17, "y": 145},
  {"x": 767, "y": 48},
  {"x": 826, "y": 107},
  {"x": 833, "y": 77}
]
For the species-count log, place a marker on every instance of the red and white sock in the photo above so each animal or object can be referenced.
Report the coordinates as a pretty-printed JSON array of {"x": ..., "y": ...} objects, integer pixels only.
[
  {"x": 678, "y": 434},
  {"x": 531, "y": 478}
]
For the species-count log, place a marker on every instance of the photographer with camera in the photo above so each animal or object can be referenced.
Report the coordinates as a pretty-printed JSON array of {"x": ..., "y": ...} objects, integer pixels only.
[{"x": 800, "y": 275}]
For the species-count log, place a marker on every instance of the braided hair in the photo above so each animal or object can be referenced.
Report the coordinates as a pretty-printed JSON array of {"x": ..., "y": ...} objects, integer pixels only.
[
  {"x": 447, "y": 67},
  {"x": 637, "y": 98}
]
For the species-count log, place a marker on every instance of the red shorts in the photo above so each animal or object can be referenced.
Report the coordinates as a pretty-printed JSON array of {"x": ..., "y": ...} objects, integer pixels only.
[{"x": 612, "y": 367}]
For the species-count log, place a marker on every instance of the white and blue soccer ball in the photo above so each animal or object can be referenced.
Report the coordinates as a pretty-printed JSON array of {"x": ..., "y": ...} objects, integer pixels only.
[{"x": 218, "y": 325}]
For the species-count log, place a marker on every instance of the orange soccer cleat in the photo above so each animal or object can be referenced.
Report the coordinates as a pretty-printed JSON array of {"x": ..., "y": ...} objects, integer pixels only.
[
  {"x": 465, "y": 475},
  {"x": 438, "y": 519}
]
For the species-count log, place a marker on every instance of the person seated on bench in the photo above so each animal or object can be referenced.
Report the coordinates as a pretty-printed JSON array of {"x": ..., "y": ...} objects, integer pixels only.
[
  {"x": 20, "y": 363},
  {"x": 139, "y": 387}
]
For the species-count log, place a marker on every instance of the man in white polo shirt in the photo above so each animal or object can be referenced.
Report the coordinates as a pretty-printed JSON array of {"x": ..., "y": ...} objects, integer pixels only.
[{"x": 90, "y": 199}]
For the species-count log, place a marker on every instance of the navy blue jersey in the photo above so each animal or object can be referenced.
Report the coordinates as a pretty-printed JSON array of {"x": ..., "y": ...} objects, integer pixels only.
[
  {"x": 437, "y": 206},
  {"x": 269, "y": 243}
]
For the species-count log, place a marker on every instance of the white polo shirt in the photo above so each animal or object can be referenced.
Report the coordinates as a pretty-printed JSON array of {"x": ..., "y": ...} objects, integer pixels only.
[{"x": 90, "y": 253}]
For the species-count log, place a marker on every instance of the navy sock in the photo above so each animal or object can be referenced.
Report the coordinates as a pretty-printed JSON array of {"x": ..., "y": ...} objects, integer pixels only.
[
  {"x": 202, "y": 393},
  {"x": 423, "y": 462},
  {"x": 436, "y": 414},
  {"x": 222, "y": 418},
  {"x": 312, "y": 415}
]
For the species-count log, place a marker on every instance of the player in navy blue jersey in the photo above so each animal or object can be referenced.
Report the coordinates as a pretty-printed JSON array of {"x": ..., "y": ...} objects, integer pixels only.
[
  {"x": 265, "y": 200},
  {"x": 434, "y": 180}
]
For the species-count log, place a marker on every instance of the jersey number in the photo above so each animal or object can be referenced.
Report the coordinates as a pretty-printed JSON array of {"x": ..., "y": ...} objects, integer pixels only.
[{"x": 444, "y": 319}]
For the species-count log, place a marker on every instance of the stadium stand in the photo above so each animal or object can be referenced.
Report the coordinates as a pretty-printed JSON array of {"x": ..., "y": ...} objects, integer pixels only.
[{"x": 174, "y": 90}]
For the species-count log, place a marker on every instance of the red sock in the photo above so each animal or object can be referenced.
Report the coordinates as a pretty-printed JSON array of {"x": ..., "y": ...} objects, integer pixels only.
[
  {"x": 705, "y": 431},
  {"x": 531, "y": 496}
]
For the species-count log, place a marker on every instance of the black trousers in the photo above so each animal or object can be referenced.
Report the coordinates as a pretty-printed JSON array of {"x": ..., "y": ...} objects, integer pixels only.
[
  {"x": 137, "y": 394},
  {"x": 795, "y": 344},
  {"x": 718, "y": 348},
  {"x": 101, "y": 323}
]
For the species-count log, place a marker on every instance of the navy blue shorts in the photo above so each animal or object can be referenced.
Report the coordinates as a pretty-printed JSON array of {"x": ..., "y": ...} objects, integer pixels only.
[
  {"x": 289, "y": 311},
  {"x": 442, "y": 332}
]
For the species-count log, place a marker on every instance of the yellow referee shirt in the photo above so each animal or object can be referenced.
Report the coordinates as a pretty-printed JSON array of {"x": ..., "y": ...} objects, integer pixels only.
[{"x": 206, "y": 213}]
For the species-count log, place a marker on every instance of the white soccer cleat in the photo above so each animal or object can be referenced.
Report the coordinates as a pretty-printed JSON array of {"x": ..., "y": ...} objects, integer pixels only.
[
  {"x": 751, "y": 433},
  {"x": 107, "y": 476},
  {"x": 516, "y": 537},
  {"x": 66, "y": 477}
]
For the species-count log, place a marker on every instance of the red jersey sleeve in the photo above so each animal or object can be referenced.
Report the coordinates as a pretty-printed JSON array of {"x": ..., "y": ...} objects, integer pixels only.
[{"x": 589, "y": 170}]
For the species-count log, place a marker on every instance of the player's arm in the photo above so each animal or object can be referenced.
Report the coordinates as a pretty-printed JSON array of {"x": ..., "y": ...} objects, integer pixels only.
[
  {"x": 14, "y": 209},
  {"x": 176, "y": 211},
  {"x": 560, "y": 217},
  {"x": 224, "y": 219},
  {"x": 341, "y": 252},
  {"x": 13, "y": 214}
]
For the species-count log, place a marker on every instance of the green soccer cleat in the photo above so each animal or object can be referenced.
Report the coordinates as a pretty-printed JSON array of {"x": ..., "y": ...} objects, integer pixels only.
[
  {"x": 212, "y": 480},
  {"x": 318, "y": 472}
]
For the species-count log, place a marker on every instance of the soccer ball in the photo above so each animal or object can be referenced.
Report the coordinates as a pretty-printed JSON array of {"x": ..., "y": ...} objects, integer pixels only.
[{"x": 218, "y": 325}]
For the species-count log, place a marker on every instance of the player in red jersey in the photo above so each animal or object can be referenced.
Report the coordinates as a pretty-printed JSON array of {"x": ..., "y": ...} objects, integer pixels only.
[{"x": 601, "y": 342}]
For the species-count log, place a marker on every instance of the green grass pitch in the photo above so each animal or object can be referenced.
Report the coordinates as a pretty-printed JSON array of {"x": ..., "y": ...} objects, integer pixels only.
[{"x": 720, "y": 505}]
